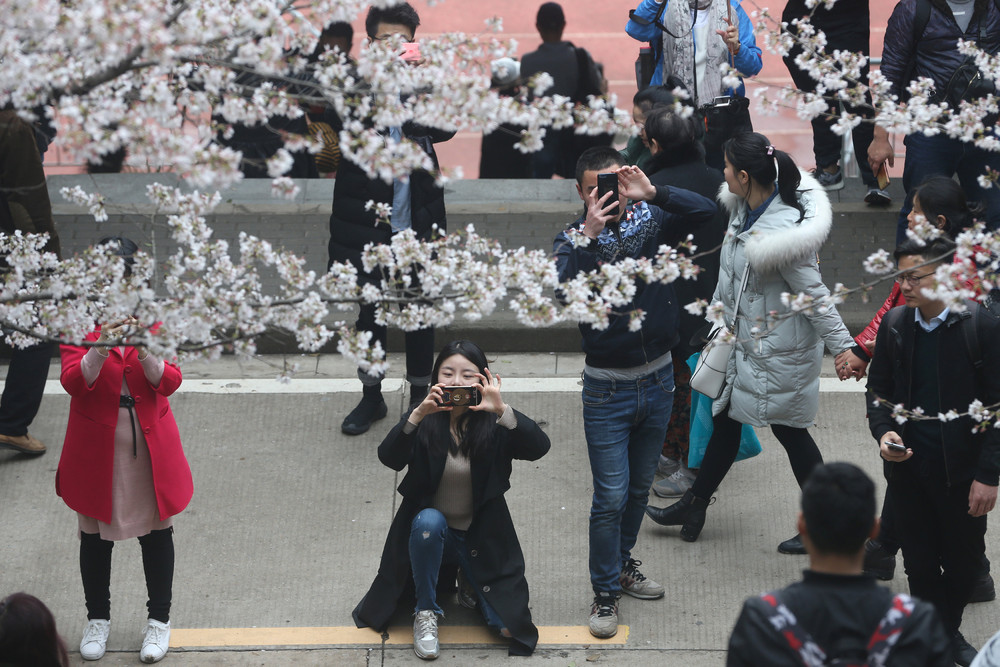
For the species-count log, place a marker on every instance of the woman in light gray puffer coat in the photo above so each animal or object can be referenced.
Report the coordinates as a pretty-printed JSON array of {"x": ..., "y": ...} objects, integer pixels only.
[{"x": 775, "y": 231}]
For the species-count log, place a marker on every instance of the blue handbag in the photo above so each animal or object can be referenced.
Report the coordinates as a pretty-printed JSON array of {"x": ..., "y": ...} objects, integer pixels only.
[{"x": 701, "y": 427}]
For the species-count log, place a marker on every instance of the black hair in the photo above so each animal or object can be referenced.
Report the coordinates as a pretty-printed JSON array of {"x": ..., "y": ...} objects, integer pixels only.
[
  {"x": 475, "y": 429},
  {"x": 937, "y": 250},
  {"x": 652, "y": 97},
  {"x": 940, "y": 195},
  {"x": 676, "y": 136},
  {"x": 838, "y": 505},
  {"x": 753, "y": 153},
  {"x": 401, "y": 14},
  {"x": 597, "y": 158},
  {"x": 338, "y": 29},
  {"x": 124, "y": 247},
  {"x": 28, "y": 635}
]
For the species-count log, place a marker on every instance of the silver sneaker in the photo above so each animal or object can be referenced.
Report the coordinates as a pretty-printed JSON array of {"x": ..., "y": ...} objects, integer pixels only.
[
  {"x": 155, "y": 641},
  {"x": 667, "y": 466},
  {"x": 604, "y": 615},
  {"x": 95, "y": 639},
  {"x": 637, "y": 585},
  {"x": 676, "y": 485},
  {"x": 425, "y": 634}
]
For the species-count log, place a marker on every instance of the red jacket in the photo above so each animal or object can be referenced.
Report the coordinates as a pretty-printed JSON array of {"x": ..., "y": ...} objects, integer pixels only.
[{"x": 83, "y": 479}]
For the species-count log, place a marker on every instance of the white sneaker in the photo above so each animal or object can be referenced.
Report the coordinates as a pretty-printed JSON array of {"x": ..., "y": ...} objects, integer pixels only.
[
  {"x": 95, "y": 639},
  {"x": 155, "y": 641},
  {"x": 676, "y": 485}
]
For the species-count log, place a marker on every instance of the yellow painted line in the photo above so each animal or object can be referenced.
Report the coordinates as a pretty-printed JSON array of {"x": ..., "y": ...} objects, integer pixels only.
[{"x": 555, "y": 635}]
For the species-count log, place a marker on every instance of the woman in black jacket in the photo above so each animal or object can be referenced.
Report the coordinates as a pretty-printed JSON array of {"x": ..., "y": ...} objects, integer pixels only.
[{"x": 458, "y": 460}]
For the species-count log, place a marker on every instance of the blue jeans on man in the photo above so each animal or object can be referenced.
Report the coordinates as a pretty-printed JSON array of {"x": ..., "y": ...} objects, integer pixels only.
[
  {"x": 624, "y": 423},
  {"x": 944, "y": 156}
]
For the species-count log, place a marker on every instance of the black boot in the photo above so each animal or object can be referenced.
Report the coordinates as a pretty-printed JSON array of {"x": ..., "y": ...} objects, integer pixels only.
[
  {"x": 688, "y": 513},
  {"x": 417, "y": 395},
  {"x": 371, "y": 408}
]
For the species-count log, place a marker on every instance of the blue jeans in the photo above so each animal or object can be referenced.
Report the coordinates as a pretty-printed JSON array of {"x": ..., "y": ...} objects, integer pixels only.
[
  {"x": 432, "y": 543},
  {"x": 942, "y": 156},
  {"x": 625, "y": 423}
]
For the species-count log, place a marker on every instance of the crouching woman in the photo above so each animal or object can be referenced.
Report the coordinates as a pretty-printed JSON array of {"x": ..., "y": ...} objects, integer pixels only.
[{"x": 458, "y": 460}]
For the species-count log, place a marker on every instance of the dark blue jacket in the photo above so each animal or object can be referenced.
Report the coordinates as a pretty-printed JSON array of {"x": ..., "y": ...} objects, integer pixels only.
[
  {"x": 645, "y": 229},
  {"x": 935, "y": 54}
]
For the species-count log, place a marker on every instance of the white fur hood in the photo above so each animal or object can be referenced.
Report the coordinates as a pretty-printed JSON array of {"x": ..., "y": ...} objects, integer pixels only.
[{"x": 777, "y": 239}]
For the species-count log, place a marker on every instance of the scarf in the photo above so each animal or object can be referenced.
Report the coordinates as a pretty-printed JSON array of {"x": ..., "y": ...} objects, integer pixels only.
[{"x": 679, "y": 47}]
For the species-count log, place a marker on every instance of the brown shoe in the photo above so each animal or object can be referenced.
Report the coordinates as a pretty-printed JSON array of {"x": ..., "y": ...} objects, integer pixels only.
[{"x": 26, "y": 444}]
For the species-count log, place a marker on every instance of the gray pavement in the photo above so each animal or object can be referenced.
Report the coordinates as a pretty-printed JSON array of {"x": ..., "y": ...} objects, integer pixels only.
[{"x": 288, "y": 518}]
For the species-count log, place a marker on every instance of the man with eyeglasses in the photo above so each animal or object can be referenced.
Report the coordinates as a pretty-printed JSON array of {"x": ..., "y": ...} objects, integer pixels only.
[{"x": 935, "y": 360}]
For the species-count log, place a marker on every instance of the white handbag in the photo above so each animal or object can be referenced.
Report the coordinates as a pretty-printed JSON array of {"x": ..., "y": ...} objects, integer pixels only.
[{"x": 709, "y": 376}]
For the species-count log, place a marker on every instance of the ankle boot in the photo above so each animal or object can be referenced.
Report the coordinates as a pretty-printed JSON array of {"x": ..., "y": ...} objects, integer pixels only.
[
  {"x": 688, "y": 513},
  {"x": 371, "y": 408},
  {"x": 417, "y": 394}
]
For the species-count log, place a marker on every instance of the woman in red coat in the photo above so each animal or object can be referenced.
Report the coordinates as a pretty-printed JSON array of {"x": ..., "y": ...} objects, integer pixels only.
[{"x": 124, "y": 472}]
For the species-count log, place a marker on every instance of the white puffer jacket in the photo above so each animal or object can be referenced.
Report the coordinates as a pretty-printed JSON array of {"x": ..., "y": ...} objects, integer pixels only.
[{"x": 773, "y": 376}]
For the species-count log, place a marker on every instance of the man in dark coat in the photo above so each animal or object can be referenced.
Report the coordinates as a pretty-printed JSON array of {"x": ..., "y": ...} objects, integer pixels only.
[
  {"x": 836, "y": 610},
  {"x": 418, "y": 204},
  {"x": 942, "y": 476},
  {"x": 24, "y": 207},
  {"x": 907, "y": 56}
]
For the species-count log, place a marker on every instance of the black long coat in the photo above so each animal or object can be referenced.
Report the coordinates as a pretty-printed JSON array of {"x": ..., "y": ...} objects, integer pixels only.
[{"x": 496, "y": 557}]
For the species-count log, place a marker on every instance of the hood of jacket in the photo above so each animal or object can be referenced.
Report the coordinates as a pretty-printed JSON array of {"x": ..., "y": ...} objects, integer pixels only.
[{"x": 779, "y": 238}]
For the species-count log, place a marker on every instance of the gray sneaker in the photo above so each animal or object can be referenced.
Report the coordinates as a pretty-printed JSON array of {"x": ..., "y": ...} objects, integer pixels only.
[
  {"x": 425, "y": 634},
  {"x": 604, "y": 615},
  {"x": 636, "y": 584},
  {"x": 834, "y": 181},
  {"x": 676, "y": 485},
  {"x": 667, "y": 466}
]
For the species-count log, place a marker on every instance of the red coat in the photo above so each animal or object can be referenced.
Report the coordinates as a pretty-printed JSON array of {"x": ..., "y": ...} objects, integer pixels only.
[{"x": 83, "y": 479}]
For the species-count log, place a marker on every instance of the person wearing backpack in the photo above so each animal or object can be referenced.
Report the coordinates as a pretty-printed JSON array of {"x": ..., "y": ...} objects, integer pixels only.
[
  {"x": 837, "y": 615},
  {"x": 921, "y": 40},
  {"x": 942, "y": 476}
]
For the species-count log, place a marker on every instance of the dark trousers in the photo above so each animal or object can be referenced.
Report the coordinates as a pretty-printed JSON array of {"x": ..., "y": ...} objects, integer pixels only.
[
  {"x": 22, "y": 392},
  {"x": 419, "y": 349},
  {"x": 826, "y": 143},
  {"x": 724, "y": 445},
  {"x": 157, "y": 564},
  {"x": 943, "y": 546}
]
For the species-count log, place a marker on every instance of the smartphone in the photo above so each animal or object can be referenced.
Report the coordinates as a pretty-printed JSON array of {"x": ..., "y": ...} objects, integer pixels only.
[
  {"x": 461, "y": 396},
  {"x": 882, "y": 176},
  {"x": 411, "y": 52},
  {"x": 608, "y": 183},
  {"x": 896, "y": 447}
]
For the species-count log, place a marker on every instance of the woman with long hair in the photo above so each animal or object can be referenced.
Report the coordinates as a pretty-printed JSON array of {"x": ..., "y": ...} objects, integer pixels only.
[
  {"x": 457, "y": 446},
  {"x": 779, "y": 217}
]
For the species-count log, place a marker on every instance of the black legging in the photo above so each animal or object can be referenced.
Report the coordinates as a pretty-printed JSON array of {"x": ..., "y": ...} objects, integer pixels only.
[
  {"x": 724, "y": 445},
  {"x": 157, "y": 563}
]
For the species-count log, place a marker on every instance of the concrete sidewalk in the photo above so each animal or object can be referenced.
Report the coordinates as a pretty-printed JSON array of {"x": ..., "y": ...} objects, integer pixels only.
[{"x": 289, "y": 515}]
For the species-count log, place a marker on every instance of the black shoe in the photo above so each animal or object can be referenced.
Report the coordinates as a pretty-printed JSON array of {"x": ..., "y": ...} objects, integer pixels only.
[
  {"x": 361, "y": 418},
  {"x": 878, "y": 561},
  {"x": 792, "y": 545},
  {"x": 965, "y": 652},
  {"x": 417, "y": 395},
  {"x": 984, "y": 590},
  {"x": 688, "y": 513}
]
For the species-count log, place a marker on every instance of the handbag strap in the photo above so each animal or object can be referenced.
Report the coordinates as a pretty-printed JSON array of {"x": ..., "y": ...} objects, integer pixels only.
[{"x": 739, "y": 295}]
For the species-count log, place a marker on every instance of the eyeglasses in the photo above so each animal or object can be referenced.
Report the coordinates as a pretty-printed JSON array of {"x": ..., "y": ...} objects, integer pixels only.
[{"x": 911, "y": 279}]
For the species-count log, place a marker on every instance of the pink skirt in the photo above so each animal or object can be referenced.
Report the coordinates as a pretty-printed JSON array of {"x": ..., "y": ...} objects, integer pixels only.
[{"x": 133, "y": 496}]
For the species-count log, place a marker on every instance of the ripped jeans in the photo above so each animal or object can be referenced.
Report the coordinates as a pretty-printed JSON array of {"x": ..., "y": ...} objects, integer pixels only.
[{"x": 432, "y": 543}]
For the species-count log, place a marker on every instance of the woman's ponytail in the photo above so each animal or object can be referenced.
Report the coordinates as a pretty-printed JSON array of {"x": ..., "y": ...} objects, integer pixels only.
[{"x": 789, "y": 180}]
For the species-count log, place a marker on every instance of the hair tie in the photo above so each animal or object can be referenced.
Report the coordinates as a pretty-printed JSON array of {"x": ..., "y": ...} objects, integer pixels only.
[{"x": 770, "y": 149}]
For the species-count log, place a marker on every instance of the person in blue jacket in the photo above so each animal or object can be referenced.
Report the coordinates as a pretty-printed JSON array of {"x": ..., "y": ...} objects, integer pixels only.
[{"x": 691, "y": 40}]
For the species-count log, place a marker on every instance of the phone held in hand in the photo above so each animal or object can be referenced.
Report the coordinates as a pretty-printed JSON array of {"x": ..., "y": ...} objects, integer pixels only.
[
  {"x": 411, "y": 52},
  {"x": 882, "y": 176},
  {"x": 896, "y": 447},
  {"x": 461, "y": 396},
  {"x": 608, "y": 183}
]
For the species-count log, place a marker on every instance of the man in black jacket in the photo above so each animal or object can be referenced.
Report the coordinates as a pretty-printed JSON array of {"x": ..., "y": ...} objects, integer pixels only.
[
  {"x": 942, "y": 476},
  {"x": 628, "y": 377},
  {"x": 836, "y": 610},
  {"x": 417, "y": 204}
]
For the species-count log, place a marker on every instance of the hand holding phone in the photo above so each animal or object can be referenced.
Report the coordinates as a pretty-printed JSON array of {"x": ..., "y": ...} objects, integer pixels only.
[
  {"x": 411, "y": 52},
  {"x": 463, "y": 396},
  {"x": 606, "y": 183},
  {"x": 882, "y": 176}
]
